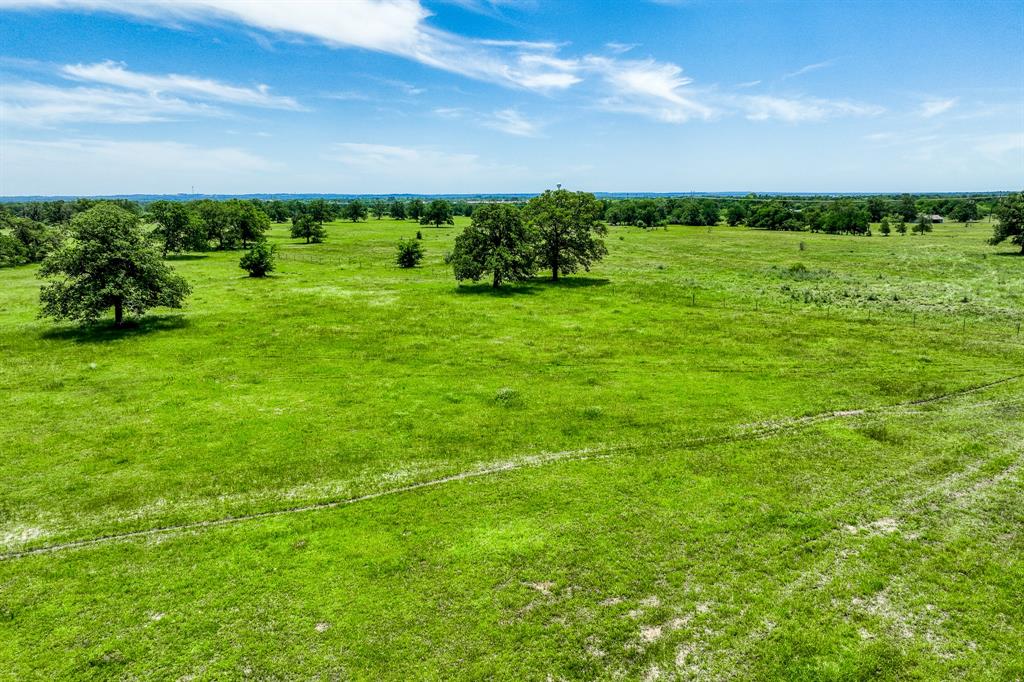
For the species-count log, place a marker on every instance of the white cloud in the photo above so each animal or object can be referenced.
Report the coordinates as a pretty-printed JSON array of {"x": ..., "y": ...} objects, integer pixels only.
[
  {"x": 934, "y": 107},
  {"x": 645, "y": 87},
  {"x": 654, "y": 89},
  {"x": 347, "y": 96},
  {"x": 116, "y": 74},
  {"x": 545, "y": 46},
  {"x": 451, "y": 112},
  {"x": 807, "y": 69},
  {"x": 620, "y": 48},
  {"x": 508, "y": 121},
  {"x": 124, "y": 167},
  {"x": 802, "y": 109},
  {"x": 39, "y": 105},
  {"x": 392, "y": 26},
  {"x": 748, "y": 84},
  {"x": 382, "y": 156},
  {"x": 512, "y": 122}
]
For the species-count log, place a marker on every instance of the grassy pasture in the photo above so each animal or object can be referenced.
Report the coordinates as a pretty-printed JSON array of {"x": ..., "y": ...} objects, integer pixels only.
[{"x": 638, "y": 486}]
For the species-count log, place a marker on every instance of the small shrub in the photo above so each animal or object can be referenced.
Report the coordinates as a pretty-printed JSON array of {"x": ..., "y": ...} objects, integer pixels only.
[
  {"x": 880, "y": 433},
  {"x": 259, "y": 260},
  {"x": 419, "y": 235},
  {"x": 410, "y": 253},
  {"x": 506, "y": 396}
]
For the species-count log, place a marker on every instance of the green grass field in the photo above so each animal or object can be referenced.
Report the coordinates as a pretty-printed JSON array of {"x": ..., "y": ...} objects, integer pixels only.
[{"x": 720, "y": 454}]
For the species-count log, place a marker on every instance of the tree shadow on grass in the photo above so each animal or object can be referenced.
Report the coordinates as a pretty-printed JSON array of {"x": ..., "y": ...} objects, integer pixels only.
[
  {"x": 574, "y": 282},
  {"x": 531, "y": 287},
  {"x": 504, "y": 291},
  {"x": 1018, "y": 254},
  {"x": 105, "y": 331},
  {"x": 186, "y": 256}
]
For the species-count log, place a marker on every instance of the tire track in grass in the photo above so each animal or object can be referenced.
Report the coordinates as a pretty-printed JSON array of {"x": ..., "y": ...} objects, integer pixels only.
[
  {"x": 752, "y": 431},
  {"x": 951, "y": 492}
]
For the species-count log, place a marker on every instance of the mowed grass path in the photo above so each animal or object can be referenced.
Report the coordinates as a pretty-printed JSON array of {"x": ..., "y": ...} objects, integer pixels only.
[{"x": 884, "y": 543}]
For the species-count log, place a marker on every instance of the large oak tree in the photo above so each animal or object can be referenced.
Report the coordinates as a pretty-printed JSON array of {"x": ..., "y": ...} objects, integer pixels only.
[
  {"x": 498, "y": 241},
  {"x": 107, "y": 263},
  {"x": 569, "y": 228}
]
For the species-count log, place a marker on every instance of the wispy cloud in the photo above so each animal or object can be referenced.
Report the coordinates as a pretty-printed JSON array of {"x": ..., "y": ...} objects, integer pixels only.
[
  {"x": 809, "y": 68},
  {"x": 933, "y": 107},
  {"x": 39, "y": 105},
  {"x": 391, "y": 26},
  {"x": 802, "y": 109},
  {"x": 347, "y": 96},
  {"x": 620, "y": 48},
  {"x": 509, "y": 121},
  {"x": 116, "y": 74},
  {"x": 748, "y": 84},
  {"x": 546, "y": 46},
  {"x": 382, "y": 156},
  {"x": 451, "y": 112},
  {"x": 654, "y": 89},
  {"x": 646, "y": 87},
  {"x": 512, "y": 122}
]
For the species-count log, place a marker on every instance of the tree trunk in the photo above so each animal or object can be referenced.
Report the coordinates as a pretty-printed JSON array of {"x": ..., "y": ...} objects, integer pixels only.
[
  {"x": 554, "y": 271},
  {"x": 118, "y": 313},
  {"x": 497, "y": 280}
]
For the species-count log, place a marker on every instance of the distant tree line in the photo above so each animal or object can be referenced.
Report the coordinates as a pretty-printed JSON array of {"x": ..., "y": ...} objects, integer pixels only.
[
  {"x": 662, "y": 211},
  {"x": 848, "y": 215},
  {"x": 104, "y": 257}
]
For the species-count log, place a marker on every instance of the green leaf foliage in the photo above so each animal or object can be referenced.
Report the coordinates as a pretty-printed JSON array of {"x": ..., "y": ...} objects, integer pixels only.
[
  {"x": 1010, "y": 214},
  {"x": 259, "y": 260},
  {"x": 107, "y": 263},
  {"x": 410, "y": 253},
  {"x": 498, "y": 241},
  {"x": 569, "y": 230},
  {"x": 437, "y": 213}
]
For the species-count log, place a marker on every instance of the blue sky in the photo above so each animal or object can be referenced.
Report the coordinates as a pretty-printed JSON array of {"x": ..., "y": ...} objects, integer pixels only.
[{"x": 362, "y": 96}]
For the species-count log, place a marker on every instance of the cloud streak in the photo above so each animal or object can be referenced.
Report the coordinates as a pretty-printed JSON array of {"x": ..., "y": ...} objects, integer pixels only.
[
  {"x": 809, "y": 68},
  {"x": 802, "y": 109},
  {"x": 646, "y": 87},
  {"x": 654, "y": 89},
  {"x": 511, "y": 122},
  {"x": 395, "y": 27},
  {"x": 931, "y": 108},
  {"x": 116, "y": 74},
  {"x": 39, "y": 105}
]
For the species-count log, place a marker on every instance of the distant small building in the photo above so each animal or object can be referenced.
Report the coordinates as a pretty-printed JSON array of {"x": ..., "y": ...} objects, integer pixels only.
[{"x": 935, "y": 218}]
